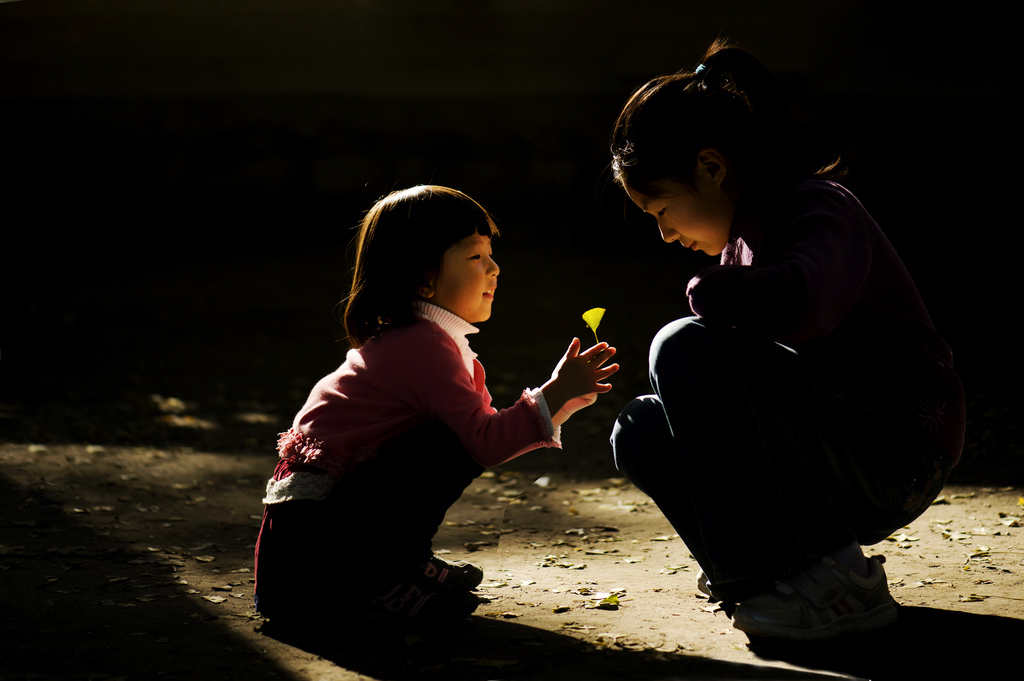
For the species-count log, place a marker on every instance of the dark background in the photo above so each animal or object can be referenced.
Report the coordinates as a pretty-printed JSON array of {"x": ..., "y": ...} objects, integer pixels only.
[{"x": 180, "y": 180}]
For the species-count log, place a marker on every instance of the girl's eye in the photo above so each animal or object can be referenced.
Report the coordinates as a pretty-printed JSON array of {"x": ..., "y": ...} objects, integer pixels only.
[{"x": 661, "y": 212}]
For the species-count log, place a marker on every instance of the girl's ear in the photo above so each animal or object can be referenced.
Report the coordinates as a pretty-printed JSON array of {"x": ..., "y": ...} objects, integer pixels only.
[
  {"x": 426, "y": 289},
  {"x": 711, "y": 165}
]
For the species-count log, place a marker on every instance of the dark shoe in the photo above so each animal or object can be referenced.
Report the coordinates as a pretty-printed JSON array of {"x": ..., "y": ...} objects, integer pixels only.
[
  {"x": 410, "y": 603},
  {"x": 448, "y": 576}
]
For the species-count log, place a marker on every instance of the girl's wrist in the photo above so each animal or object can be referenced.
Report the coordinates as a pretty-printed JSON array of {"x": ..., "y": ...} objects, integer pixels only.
[{"x": 553, "y": 395}]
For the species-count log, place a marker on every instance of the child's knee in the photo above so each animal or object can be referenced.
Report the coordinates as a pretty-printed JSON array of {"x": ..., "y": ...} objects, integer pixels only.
[
  {"x": 688, "y": 341},
  {"x": 640, "y": 436}
]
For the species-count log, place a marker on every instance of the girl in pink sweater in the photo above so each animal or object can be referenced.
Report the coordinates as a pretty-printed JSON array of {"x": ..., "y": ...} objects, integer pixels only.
[{"x": 387, "y": 443}]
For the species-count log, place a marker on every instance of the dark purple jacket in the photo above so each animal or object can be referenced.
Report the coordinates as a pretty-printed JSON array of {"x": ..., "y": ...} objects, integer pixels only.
[{"x": 816, "y": 273}]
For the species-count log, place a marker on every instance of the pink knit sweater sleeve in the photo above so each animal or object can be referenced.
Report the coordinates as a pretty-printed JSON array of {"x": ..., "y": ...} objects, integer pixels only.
[{"x": 436, "y": 383}]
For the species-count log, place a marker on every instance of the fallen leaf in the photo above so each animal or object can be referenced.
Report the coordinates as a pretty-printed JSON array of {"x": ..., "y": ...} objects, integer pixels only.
[
  {"x": 589, "y": 492},
  {"x": 1011, "y": 520},
  {"x": 674, "y": 569},
  {"x": 609, "y": 602}
]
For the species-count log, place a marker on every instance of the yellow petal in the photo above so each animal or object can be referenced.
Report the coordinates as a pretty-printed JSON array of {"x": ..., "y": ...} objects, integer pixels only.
[{"x": 593, "y": 317}]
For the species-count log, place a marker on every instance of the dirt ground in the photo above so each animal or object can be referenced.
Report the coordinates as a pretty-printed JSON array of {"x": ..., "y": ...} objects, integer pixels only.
[
  {"x": 149, "y": 575},
  {"x": 128, "y": 517}
]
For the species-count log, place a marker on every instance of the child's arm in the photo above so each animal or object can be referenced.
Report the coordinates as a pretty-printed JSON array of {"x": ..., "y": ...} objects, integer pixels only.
[
  {"x": 824, "y": 261},
  {"x": 571, "y": 407},
  {"x": 575, "y": 382}
]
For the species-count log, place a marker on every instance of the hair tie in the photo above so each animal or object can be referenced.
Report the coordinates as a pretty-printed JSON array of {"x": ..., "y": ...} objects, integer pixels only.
[{"x": 700, "y": 70}]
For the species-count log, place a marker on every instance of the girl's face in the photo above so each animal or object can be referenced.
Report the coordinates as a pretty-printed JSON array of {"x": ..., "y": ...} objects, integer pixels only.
[
  {"x": 467, "y": 280},
  {"x": 699, "y": 218}
]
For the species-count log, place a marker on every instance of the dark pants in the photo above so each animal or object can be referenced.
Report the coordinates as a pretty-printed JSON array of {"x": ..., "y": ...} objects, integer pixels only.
[
  {"x": 763, "y": 463},
  {"x": 373, "y": 532}
]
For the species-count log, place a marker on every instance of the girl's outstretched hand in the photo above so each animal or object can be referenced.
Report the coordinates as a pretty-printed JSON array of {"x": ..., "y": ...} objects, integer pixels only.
[{"x": 576, "y": 380}]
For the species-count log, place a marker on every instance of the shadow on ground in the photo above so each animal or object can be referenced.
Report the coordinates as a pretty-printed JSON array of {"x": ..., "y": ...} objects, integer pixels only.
[
  {"x": 480, "y": 648},
  {"x": 76, "y": 603},
  {"x": 924, "y": 644}
]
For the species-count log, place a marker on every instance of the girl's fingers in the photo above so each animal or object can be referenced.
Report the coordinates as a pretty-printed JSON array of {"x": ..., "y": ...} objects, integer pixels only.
[
  {"x": 600, "y": 353},
  {"x": 574, "y": 348}
]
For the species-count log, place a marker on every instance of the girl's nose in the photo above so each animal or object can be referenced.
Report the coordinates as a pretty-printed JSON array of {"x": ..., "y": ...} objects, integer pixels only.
[
  {"x": 493, "y": 268},
  {"x": 667, "y": 235}
]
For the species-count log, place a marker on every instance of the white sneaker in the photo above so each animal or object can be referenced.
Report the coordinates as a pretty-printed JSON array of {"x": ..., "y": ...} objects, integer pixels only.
[
  {"x": 702, "y": 584},
  {"x": 821, "y": 601}
]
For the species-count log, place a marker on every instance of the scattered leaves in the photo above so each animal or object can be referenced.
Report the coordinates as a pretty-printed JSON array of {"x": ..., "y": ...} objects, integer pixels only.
[{"x": 552, "y": 560}]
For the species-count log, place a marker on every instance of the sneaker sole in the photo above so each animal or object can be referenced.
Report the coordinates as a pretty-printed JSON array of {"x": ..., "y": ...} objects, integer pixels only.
[{"x": 878, "y": 617}]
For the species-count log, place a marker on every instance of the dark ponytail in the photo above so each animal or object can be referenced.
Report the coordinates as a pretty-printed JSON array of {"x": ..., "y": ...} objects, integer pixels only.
[{"x": 732, "y": 103}]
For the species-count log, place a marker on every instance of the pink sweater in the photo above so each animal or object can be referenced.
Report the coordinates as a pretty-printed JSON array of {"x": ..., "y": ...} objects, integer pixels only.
[{"x": 408, "y": 376}]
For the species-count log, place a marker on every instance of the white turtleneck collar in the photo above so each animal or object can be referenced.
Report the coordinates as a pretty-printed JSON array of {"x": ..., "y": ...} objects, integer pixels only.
[{"x": 452, "y": 324}]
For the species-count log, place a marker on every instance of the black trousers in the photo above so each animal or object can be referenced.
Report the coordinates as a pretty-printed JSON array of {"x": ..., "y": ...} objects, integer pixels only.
[{"x": 373, "y": 531}]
